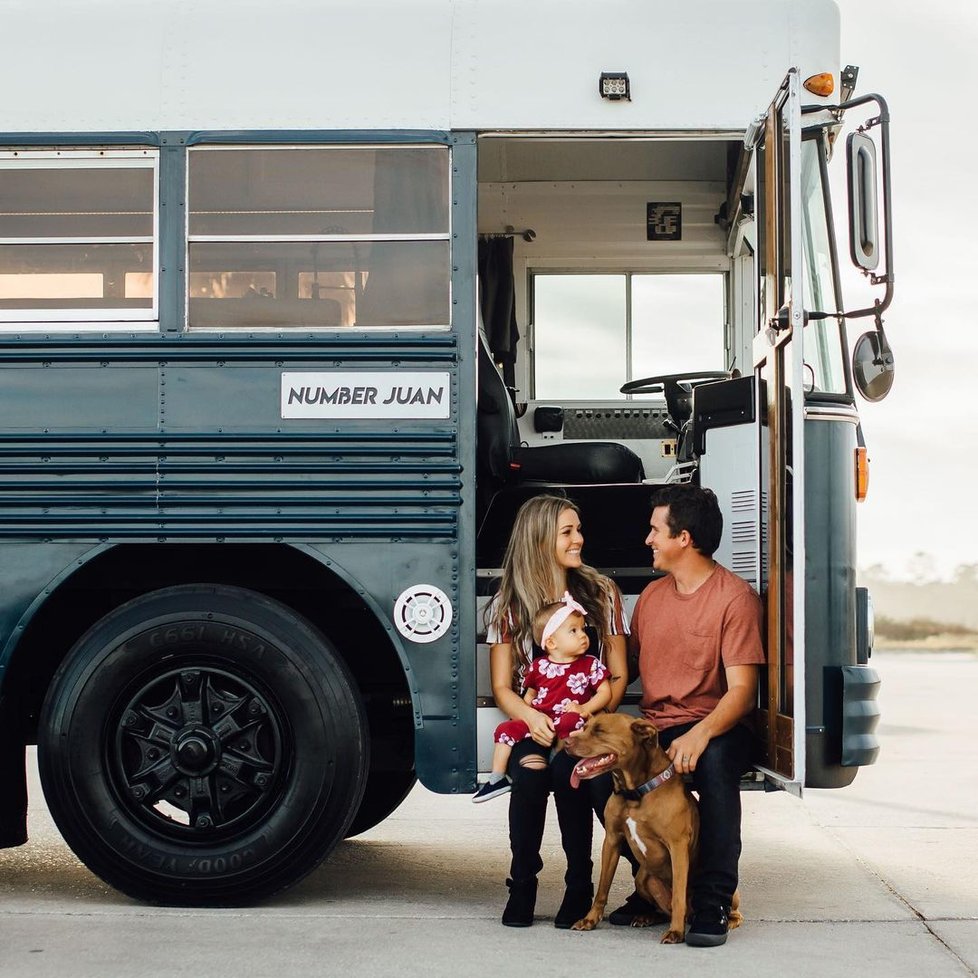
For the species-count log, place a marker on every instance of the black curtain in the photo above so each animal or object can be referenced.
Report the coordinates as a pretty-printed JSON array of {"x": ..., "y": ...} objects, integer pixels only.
[{"x": 497, "y": 298}]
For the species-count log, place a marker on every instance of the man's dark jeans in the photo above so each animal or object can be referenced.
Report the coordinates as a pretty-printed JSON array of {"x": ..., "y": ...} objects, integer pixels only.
[{"x": 716, "y": 781}]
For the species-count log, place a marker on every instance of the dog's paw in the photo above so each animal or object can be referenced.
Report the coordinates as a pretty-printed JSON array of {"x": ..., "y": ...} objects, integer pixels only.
[
  {"x": 646, "y": 920},
  {"x": 586, "y": 923},
  {"x": 735, "y": 920},
  {"x": 672, "y": 937}
]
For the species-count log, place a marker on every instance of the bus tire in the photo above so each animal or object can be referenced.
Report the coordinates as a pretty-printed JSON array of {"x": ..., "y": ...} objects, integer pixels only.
[
  {"x": 202, "y": 745},
  {"x": 383, "y": 795}
]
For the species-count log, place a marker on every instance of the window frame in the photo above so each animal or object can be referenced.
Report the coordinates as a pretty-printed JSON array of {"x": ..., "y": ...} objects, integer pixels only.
[
  {"x": 819, "y": 340},
  {"x": 263, "y": 146},
  {"x": 89, "y": 319},
  {"x": 720, "y": 269}
]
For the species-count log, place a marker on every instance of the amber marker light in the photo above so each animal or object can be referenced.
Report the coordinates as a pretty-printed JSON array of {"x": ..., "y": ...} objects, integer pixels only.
[
  {"x": 821, "y": 84},
  {"x": 862, "y": 474}
]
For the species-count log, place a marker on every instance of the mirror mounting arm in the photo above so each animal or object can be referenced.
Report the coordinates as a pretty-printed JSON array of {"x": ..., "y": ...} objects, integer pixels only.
[
  {"x": 878, "y": 316},
  {"x": 882, "y": 119},
  {"x": 872, "y": 357}
]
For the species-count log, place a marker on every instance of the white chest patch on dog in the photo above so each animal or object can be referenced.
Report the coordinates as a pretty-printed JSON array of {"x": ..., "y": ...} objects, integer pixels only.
[{"x": 632, "y": 826}]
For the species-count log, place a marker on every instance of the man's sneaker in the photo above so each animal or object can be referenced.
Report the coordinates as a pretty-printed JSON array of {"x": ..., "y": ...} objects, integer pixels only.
[
  {"x": 492, "y": 789},
  {"x": 637, "y": 908},
  {"x": 708, "y": 927}
]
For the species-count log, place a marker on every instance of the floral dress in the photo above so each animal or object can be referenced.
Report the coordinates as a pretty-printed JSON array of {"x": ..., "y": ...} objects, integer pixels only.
[
  {"x": 501, "y": 633},
  {"x": 557, "y": 685}
]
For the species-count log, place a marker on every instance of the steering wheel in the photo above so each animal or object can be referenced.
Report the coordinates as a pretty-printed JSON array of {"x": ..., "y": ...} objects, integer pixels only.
[
  {"x": 678, "y": 389},
  {"x": 652, "y": 385}
]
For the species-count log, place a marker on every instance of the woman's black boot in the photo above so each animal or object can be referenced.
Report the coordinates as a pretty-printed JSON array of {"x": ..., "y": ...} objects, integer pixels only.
[
  {"x": 522, "y": 900},
  {"x": 575, "y": 905}
]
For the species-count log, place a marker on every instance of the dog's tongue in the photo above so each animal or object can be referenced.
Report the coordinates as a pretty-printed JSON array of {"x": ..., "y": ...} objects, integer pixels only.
[
  {"x": 580, "y": 771},
  {"x": 588, "y": 767}
]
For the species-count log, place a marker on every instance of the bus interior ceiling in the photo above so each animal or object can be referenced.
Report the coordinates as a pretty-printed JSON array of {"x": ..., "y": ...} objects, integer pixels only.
[{"x": 587, "y": 201}]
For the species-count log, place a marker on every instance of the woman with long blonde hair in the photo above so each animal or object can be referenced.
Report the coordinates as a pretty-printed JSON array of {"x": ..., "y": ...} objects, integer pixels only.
[{"x": 542, "y": 561}]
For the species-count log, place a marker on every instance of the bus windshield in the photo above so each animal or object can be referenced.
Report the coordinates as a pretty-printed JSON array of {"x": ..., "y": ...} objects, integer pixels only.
[{"x": 823, "y": 339}]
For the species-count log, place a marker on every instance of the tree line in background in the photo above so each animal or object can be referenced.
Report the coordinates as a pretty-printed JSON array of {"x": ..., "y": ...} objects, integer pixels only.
[{"x": 923, "y": 606}]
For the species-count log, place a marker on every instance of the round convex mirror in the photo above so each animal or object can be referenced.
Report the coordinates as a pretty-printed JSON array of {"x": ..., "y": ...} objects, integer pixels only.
[{"x": 872, "y": 366}]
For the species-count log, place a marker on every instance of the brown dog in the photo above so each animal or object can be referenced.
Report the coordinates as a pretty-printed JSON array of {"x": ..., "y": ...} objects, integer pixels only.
[{"x": 651, "y": 808}]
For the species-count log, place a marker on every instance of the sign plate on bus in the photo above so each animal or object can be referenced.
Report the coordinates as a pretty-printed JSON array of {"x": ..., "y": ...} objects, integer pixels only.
[{"x": 381, "y": 394}]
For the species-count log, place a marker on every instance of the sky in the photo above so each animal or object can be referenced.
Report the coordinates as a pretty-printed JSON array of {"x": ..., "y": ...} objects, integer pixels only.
[{"x": 923, "y": 438}]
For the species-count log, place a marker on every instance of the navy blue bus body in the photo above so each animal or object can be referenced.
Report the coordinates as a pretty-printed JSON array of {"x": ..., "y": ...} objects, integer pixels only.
[{"x": 142, "y": 463}]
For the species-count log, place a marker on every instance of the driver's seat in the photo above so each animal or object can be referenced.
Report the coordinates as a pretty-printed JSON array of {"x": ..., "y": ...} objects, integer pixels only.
[
  {"x": 680, "y": 395},
  {"x": 504, "y": 461}
]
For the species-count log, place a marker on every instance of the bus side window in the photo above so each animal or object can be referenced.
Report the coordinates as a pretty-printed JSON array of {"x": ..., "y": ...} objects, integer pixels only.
[
  {"x": 76, "y": 236},
  {"x": 337, "y": 236}
]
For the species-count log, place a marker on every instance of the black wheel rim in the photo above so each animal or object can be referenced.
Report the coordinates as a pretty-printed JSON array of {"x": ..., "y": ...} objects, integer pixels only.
[{"x": 196, "y": 754}]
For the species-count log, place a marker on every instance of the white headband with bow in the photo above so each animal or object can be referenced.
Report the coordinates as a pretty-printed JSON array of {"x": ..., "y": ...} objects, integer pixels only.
[{"x": 560, "y": 616}]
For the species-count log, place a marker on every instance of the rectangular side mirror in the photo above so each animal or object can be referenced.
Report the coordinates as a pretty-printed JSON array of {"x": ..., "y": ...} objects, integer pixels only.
[{"x": 864, "y": 242}]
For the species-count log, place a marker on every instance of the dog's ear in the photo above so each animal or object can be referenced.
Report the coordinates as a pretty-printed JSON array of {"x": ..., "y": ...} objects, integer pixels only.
[{"x": 645, "y": 731}]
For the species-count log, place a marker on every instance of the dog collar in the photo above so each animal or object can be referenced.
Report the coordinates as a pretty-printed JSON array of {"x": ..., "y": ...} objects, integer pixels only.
[{"x": 636, "y": 794}]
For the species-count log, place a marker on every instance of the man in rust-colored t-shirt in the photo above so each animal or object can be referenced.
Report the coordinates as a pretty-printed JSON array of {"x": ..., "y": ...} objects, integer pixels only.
[{"x": 697, "y": 635}]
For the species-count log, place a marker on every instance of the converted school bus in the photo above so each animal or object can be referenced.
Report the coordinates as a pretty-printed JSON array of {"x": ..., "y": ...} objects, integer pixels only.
[{"x": 298, "y": 306}]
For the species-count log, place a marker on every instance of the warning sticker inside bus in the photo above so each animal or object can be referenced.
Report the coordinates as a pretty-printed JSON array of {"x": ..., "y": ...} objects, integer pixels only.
[{"x": 381, "y": 394}]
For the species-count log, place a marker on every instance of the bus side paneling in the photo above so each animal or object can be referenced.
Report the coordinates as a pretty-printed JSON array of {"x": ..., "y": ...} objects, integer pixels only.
[
  {"x": 839, "y": 694},
  {"x": 180, "y": 442},
  {"x": 440, "y": 675}
]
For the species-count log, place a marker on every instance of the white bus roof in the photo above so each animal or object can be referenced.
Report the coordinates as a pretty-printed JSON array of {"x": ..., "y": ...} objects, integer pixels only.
[{"x": 151, "y": 65}]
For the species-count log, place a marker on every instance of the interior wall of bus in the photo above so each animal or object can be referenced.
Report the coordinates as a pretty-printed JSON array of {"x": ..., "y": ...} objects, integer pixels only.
[
  {"x": 587, "y": 201},
  {"x": 580, "y": 205}
]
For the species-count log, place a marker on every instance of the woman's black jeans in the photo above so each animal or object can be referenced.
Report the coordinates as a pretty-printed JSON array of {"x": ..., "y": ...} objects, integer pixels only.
[
  {"x": 716, "y": 781},
  {"x": 528, "y": 814}
]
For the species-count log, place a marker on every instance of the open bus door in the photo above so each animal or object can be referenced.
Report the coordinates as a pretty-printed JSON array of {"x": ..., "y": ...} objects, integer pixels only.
[{"x": 779, "y": 372}]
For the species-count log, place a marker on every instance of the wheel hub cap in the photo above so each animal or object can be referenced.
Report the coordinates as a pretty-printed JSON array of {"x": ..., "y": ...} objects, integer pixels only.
[{"x": 197, "y": 750}]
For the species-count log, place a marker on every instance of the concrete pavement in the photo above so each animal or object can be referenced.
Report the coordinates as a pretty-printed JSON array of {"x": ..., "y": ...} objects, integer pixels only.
[{"x": 880, "y": 878}]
